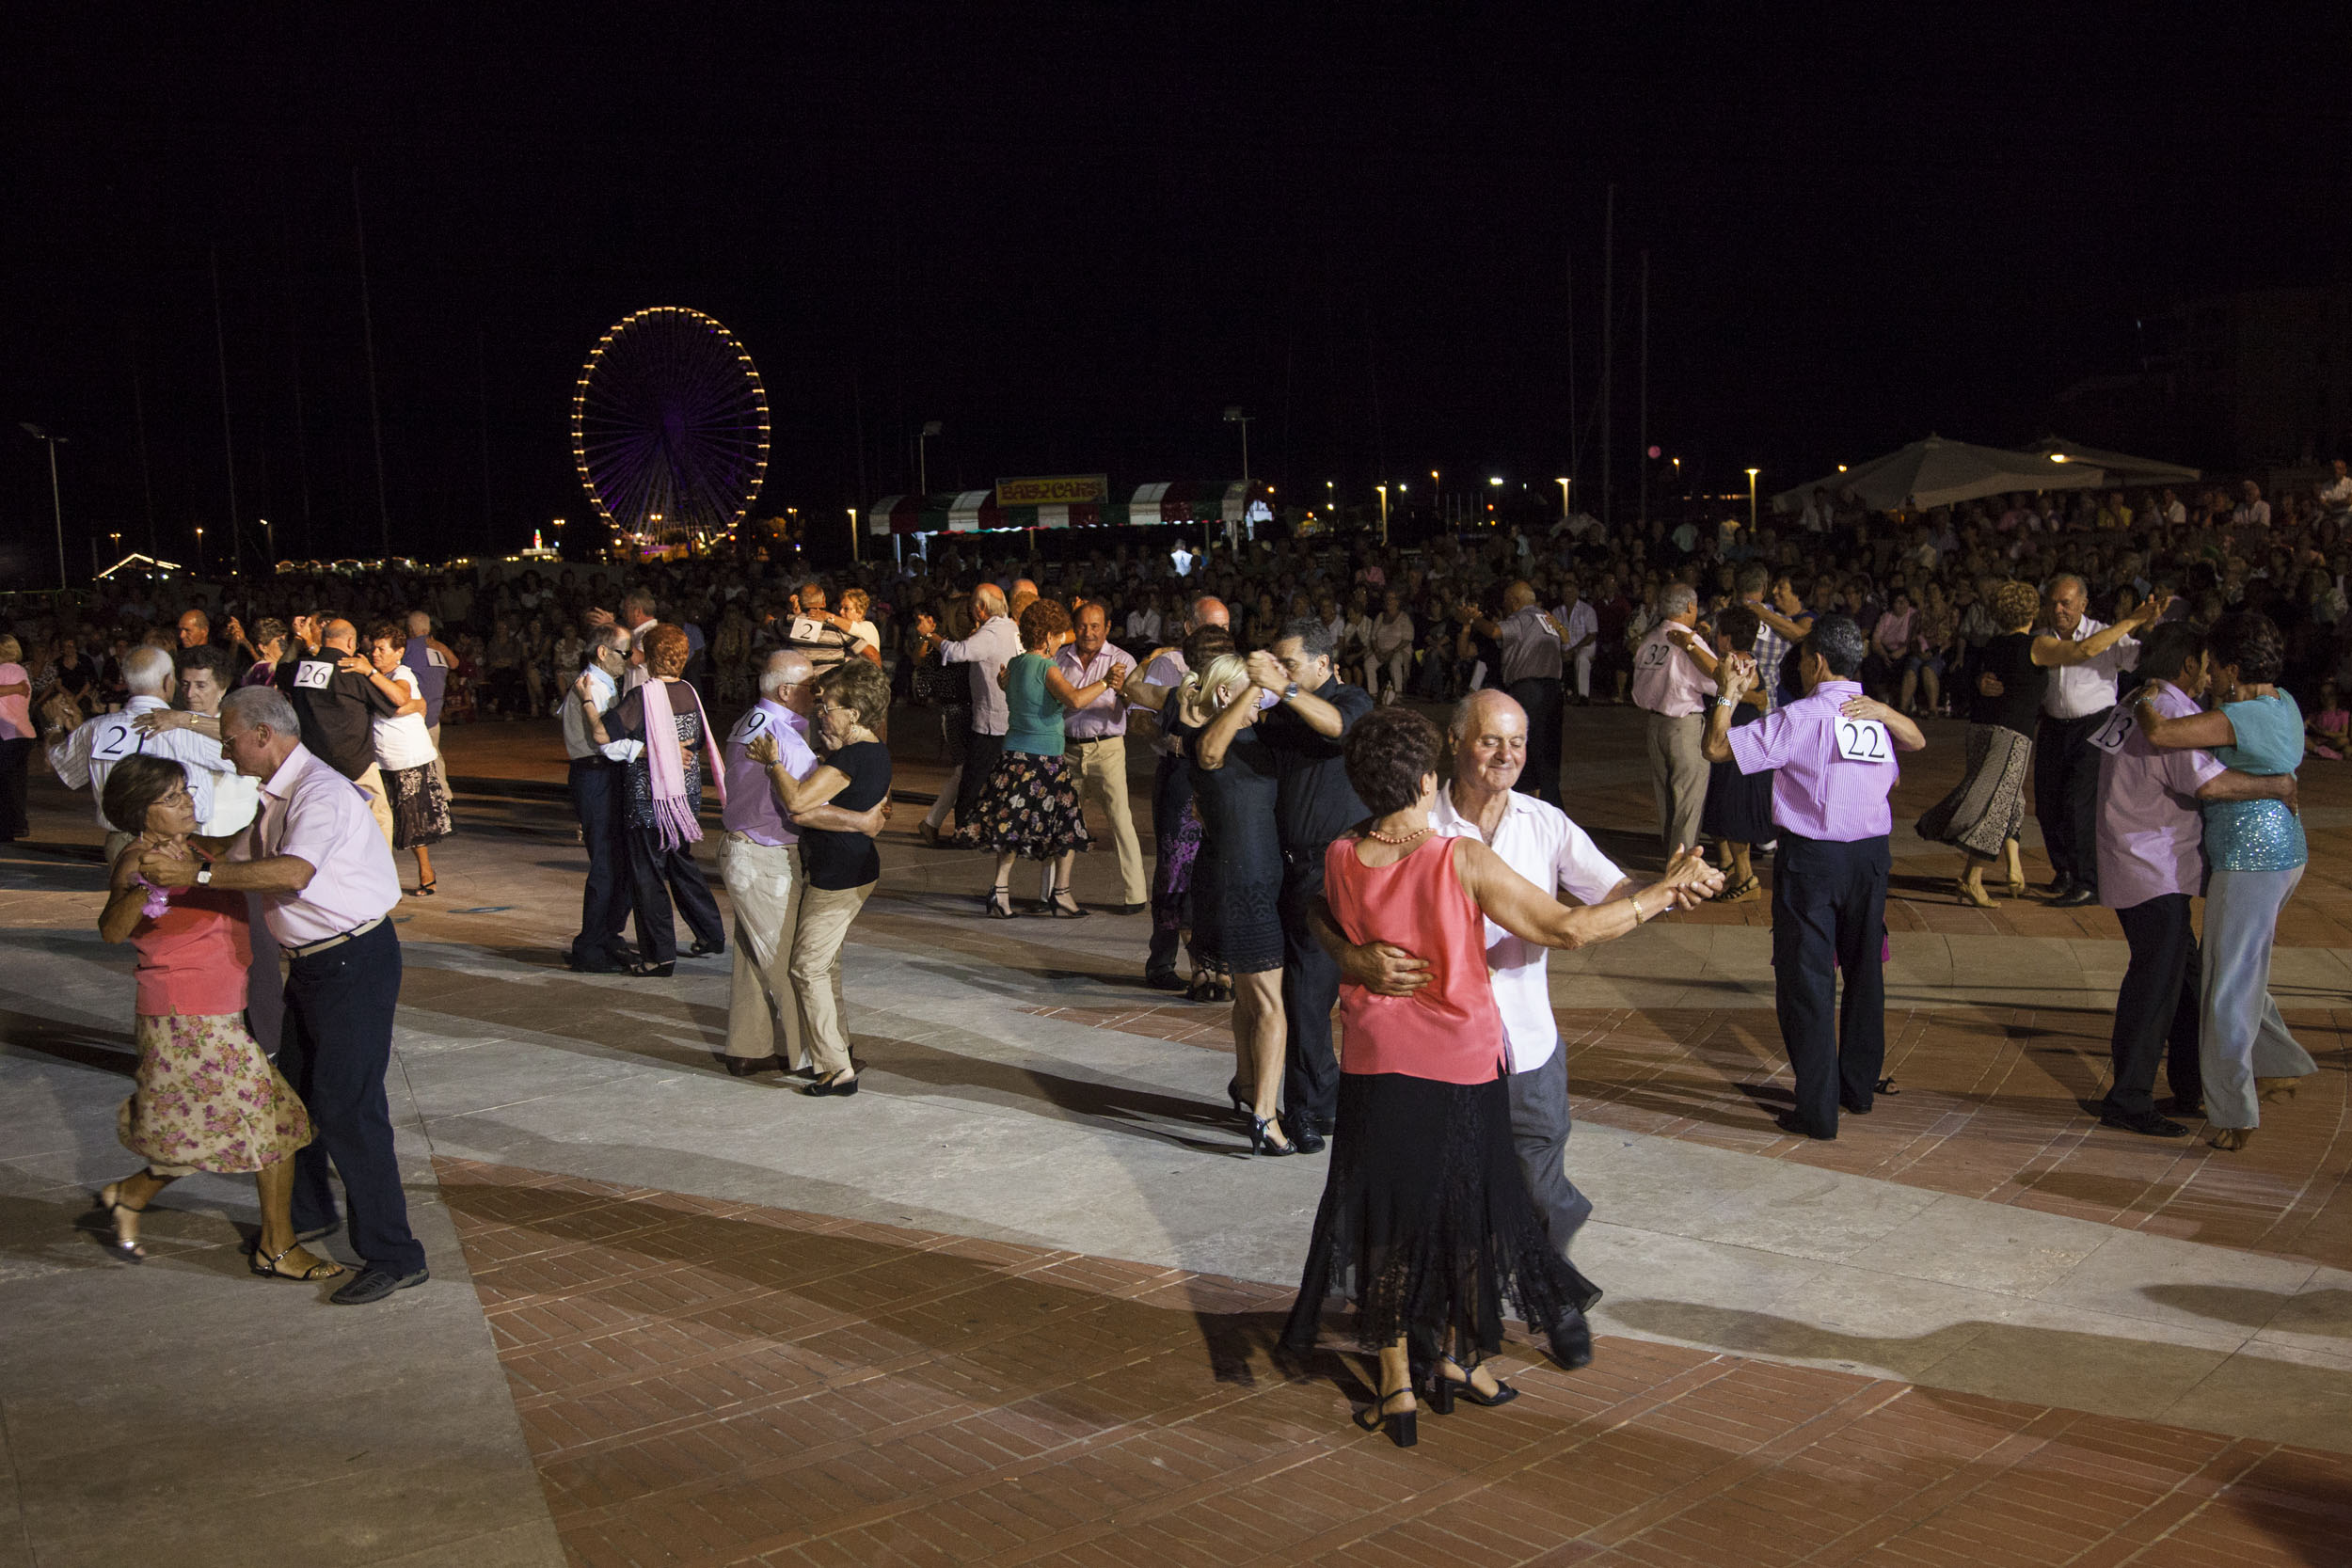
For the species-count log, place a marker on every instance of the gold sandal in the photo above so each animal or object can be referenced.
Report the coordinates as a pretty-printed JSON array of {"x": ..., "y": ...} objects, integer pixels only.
[{"x": 267, "y": 1268}]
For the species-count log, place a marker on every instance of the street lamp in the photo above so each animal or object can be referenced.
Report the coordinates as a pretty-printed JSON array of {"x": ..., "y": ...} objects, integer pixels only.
[
  {"x": 269, "y": 541},
  {"x": 853, "y": 555},
  {"x": 1383, "y": 513},
  {"x": 922, "y": 465},
  {"x": 1751, "y": 473},
  {"x": 199, "y": 549},
  {"x": 1497, "y": 484},
  {"x": 1234, "y": 415},
  {"x": 1564, "y": 498},
  {"x": 56, "y": 502}
]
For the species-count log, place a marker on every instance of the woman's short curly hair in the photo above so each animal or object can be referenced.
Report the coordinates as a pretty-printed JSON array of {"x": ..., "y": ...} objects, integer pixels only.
[
  {"x": 667, "y": 651},
  {"x": 859, "y": 684},
  {"x": 2249, "y": 641},
  {"x": 1046, "y": 618},
  {"x": 2015, "y": 603},
  {"x": 1388, "y": 752},
  {"x": 135, "y": 783}
]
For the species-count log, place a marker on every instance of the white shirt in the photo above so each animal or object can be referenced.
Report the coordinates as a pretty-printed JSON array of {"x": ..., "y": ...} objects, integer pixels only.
[
  {"x": 403, "y": 742},
  {"x": 1539, "y": 843},
  {"x": 1577, "y": 624},
  {"x": 84, "y": 759},
  {"x": 1143, "y": 626},
  {"x": 2078, "y": 690},
  {"x": 991, "y": 646},
  {"x": 577, "y": 743}
]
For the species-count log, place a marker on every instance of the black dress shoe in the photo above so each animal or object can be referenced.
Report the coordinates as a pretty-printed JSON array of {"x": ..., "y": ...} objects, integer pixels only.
[
  {"x": 1129, "y": 908},
  {"x": 706, "y": 949},
  {"x": 1303, "y": 1136},
  {"x": 2146, "y": 1123},
  {"x": 2074, "y": 898},
  {"x": 1571, "y": 1339},
  {"x": 1789, "y": 1122},
  {"x": 743, "y": 1067},
  {"x": 653, "y": 972},
  {"x": 1163, "y": 979},
  {"x": 826, "y": 1087},
  {"x": 2060, "y": 887},
  {"x": 374, "y": 1284},
  {"x": 2194, "y": 1110}
]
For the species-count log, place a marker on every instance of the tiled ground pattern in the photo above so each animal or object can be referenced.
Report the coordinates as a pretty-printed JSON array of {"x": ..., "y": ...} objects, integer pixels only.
[{"x": 706, "y": 1383}]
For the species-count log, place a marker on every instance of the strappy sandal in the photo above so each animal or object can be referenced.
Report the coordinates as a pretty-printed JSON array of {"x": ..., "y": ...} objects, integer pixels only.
[
  {"x": 1444, "y": 1389},
  {"x": 1740, "y": 892},
  {"x": 1000, "y": 902},
  {"x": 125, "y": 1247},
  {"x": 267, "y": 1268},
  {"x": 1063, "y": 905}
]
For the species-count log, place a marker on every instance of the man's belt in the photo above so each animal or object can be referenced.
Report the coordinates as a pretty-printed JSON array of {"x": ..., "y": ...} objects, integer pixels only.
[
  {"x": 1092, "y": 739},
  {"x": 308, "y": 948}
]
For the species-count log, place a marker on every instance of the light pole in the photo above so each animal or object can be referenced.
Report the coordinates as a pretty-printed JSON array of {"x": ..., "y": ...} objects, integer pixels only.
[
  {"x": 922, "y": 464},
  {"x": 1437, "y": 497},
  {"x": 853, "y": 555},
  {"x": 1751, "y": 473},
  {"x": 57, "y": 501},
  {"x": 1497, "y": 484},
  {"x": 199, "y": 549},
  {"x": 269, "y": 541},
  {"x": 1384, "y": 514},
  {"x": 1563, "y": 497},
  {"x": 1234, "y": 415}
]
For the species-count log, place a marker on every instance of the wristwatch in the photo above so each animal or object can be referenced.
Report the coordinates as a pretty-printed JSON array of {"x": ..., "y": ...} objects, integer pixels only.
[
  {"x": 1289, "y": 691},
  {"x": 203, "y": 876}
]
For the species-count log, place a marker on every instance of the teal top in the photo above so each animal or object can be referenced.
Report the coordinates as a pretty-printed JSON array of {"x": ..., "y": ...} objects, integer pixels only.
[
  {"x": 1033, "y": 715},
  {"x": 2258, "y": 835}
]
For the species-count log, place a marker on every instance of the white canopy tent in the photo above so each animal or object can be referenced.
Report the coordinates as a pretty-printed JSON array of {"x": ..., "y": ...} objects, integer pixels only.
[
  {"x": 1938, "y": 472},
  {"x": 2120, "y": 468}
]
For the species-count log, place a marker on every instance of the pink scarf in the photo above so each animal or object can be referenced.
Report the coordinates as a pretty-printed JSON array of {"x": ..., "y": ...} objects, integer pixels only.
[{"x": 665, "y": 766}]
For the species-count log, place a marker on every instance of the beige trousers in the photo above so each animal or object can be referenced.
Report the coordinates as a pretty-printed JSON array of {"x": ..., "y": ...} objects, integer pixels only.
[
  {"x": 764, "y": 883},
  {"x": 1678, "y": 777},
  {"x": 825, "y": 917},
  {"x": 1102, "y": 782},
  {"x": 379, "y": 802}
]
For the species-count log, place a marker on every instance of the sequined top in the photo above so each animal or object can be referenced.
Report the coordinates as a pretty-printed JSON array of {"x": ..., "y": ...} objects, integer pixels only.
[{"x": 2258, "y": 835}]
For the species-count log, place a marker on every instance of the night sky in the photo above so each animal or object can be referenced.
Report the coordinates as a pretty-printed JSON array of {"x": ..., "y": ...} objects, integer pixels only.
[{"x": 1074, "y": 233}]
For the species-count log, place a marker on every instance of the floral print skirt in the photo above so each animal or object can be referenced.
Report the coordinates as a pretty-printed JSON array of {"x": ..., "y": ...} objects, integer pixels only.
[
  {"x": 1030, "y": 807},
  {"x": 420, "y": 806},
  {"x": 208, "y": 1099}
]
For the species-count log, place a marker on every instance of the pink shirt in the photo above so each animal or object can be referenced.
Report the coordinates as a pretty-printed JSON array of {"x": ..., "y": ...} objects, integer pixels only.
[
  {"x": 312, "y": 812},
  {"x": 1816, "y": 793},
  {"x": 1667, "y": 680},
  {"x": 16, "y": 711},
  {"x": 192, "y": 957},
  {"x": 2151, "y": 830},
  {"x": 1451, "y": 1029},
  {"x": 751, "y": 807}
]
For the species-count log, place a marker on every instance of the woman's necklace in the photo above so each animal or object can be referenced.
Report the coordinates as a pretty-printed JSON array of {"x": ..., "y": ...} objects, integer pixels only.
[{"x": 1378, "y": 836}]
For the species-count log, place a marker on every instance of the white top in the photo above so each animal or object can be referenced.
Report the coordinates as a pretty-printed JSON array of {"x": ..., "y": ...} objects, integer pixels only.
[
  {"x": 2078, "y": 690},
  {"x": 577, "y": 744},
  {"x": 403, "y": 742},
  {"x": 1539, "y": 843},
  {"x": 84, "y": 759},
  {"x": 1577, "y": 624},
  {"x": 987, "y": 650}
]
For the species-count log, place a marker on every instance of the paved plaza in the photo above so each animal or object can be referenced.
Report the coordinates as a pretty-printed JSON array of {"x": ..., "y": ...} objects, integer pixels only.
[{"x": 1014, "y": 1303}]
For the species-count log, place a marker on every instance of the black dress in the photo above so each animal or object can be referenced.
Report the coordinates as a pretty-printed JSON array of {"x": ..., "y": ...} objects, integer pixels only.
[
  {"x": 1237, "y": 879},
  {"x": 656, "y": 874},
  {"x": 1739, "y": 805}
]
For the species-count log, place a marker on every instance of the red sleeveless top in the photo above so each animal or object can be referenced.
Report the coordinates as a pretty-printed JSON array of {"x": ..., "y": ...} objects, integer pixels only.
[{"x": 1450, "y": 1030}]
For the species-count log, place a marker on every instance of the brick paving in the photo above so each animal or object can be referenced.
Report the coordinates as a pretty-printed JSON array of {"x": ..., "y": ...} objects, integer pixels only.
[{"x": 706, "y": 1383}]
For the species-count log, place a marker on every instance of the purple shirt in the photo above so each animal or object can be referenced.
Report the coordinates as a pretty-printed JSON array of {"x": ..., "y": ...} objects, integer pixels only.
[
  {"x": 1107, "y": 715},
  {"x": 751, "y": 807},
  {"x": 1816, "y": 793},
  {"x": 2151, "y": 832},
  {"x": 1668, "y": 681},
  {"x": 310, "y": 811}
]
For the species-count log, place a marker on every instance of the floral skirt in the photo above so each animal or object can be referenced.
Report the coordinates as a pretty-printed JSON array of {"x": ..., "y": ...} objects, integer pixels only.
[
  {"x": 208, "y": 1099},
  {"x": 420, "y": 803},
  {"x": 1988, "y": 806},
  {"x": 1030, "y": 807}
]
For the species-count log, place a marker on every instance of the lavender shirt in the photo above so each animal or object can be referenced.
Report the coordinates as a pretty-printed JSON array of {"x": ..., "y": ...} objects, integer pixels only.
[
  {"x": 310, "y": 811},
  {"x": 2151, "y": 830},
  {"x": 751, "y": 807},
  {"x": 1105, "y": 716},
  {"x": 1816, "y": 793}
]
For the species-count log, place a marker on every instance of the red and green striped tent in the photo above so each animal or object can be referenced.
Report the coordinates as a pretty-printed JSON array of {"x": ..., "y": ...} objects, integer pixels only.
[{"x": 1152, "y": 505}]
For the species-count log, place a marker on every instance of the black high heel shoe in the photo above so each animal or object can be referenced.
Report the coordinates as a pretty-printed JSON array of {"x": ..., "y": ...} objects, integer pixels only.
[
  {"x": 1261, "y": 1131},
  {"x": 1445, "y": 1390},
  {"x": 826, "y": 1087},
  {"x": 653, "y": 972},
  {"x": 1063, "y": 905},
  {"x": 1242, "y": 1107},
  {"x": 125, "y": 1247},
  {"x": 1403, "y": 1426},
  {"x": 1000, "y": 902}
]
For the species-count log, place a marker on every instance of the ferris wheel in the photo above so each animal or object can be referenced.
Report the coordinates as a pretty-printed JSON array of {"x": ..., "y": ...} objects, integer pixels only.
[{"x": 670, "y": 427}]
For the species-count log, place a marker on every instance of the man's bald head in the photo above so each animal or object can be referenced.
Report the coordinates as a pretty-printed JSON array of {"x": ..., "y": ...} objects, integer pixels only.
[
  {"x": 1517, "y": 597},
  {"x": 987, "y": 599},
  {"x": 342, "y": 636},
  {"x": 1210, "y": 611},
  {"x": 1489, "y": 734},
  {"x": 786, "y": 679},
  {"x": 1023, "y": 595}
]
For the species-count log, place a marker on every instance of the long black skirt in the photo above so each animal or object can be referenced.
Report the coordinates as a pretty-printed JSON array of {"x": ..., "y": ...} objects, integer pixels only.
[{"x": 1426, "y": 1228}]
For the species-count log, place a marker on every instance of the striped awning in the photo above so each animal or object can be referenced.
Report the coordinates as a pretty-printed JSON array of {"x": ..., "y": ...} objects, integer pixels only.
[{"x": 1149, "y": 506}]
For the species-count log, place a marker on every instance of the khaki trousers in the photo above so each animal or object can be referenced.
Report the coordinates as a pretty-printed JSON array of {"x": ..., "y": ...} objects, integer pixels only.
[
  {"x": 379, "y": 802},
  {"x": 1103, "y": 781},
  {"x": 765, "y": 885},
  {"x": 825, "y": 917},
  {"x": 1678, "y": 777}
]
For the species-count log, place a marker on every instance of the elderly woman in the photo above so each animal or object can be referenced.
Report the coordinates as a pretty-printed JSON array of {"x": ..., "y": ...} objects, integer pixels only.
[
  {"x": 1029, "y": 806},
  {"x": 16, "y": 739},
  {"x": 1425, "y": 1222},
  {"x": 207, "y": 1098},
  {"x": 660, "y": 732},
  {"x": 2255, "y": 855},
  {"x": 1179, "y": 840},
  {"x": 841, "y": 868},
  {"x": 405, "y": 752},
  {"x": 1985, "y": 810}
]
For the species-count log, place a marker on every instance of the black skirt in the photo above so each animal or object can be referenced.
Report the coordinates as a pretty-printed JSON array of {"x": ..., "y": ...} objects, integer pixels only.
[{"x": 1427, "y": 1227}]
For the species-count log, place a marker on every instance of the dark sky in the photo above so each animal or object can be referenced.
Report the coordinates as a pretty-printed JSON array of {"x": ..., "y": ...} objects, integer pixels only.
[{"x": 1074, "y": 233}]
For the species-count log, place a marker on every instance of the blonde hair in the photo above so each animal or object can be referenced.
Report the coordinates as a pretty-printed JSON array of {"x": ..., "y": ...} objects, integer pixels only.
[
  {"x": 11, "y": 651},
  {"x": 1199, "y": 688}
]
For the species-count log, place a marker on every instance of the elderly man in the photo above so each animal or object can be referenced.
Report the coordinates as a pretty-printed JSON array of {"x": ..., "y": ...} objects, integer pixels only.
[
  {"x": 2075, "y": 706},
  {"x": 637, "y": 619},
  {"x": 430, "y": 661},
  {"x": 821, "y": 637},
  {"x": 1536, "y": 840},
  {"x": 195, "y": 629},
  {"x": 326, "y": 881},
  {"x": 759, "y": 859},
  {"x": 1672, "y": 669},
  {"x": 1171, "y": 792},
  {"x": 993, "y": 643},
  {"x": 1313, "y": 804},
  {"x": 1097, "y": 737},
  {"x": 599, "y": 788},
  {"x": 1391, "y": 645},
  {"x": 87, "y": 754},
  {"x": 1579, "y": 636},
  {"x": 334, "y": 696},
  {"x": 2152, "y": 864},
  {"x": 1532, "y": 644}
]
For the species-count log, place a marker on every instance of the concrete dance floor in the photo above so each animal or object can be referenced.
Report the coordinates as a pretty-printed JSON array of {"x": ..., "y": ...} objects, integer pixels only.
[{"x": 1015, "y": 1302}]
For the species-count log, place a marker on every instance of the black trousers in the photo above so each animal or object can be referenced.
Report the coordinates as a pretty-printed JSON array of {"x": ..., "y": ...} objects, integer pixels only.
[
  {"x": 2155, "y": 1012},
  {"x": 654, "y": 875},
  {"x": 16, "y": 758},
  {"x": 1540, "y": 1125},
  {"x": 1171, "y": 792},
  {"x": 1310, "y": 989},
  {"x": 1541, "y": 697},
  {"x": 1828, "y": 914},
  {"x": 599, "y": 788},
  {"x": 2066, "y": 795},
  {"x": 334, "y": 1048},
  {"x": 980, "y": 755}
]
